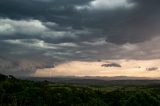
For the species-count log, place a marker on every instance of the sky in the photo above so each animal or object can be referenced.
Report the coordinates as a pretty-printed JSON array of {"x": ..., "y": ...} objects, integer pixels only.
[{"x": 36, "y": 35}]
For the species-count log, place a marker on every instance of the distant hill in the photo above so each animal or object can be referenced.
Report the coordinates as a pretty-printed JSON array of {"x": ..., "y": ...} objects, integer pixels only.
[
  {"x": 119, "y": 80},
  {"x": 2, "y": 77}
]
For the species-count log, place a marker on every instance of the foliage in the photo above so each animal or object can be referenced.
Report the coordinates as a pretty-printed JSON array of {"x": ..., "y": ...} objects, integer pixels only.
[{"x": 14, "y": 92}]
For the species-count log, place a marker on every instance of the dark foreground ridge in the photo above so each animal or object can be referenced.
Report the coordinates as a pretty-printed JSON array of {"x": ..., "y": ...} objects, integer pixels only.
[{"x": 16, "y": 92}]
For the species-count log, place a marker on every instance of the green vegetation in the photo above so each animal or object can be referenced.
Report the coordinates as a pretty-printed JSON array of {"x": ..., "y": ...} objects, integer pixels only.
[{"x": 14, "y": 92}]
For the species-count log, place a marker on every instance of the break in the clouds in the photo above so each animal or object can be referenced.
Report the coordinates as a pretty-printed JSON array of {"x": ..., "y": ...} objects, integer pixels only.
[
  {"x": 35, "y": 34},
  {"x": 130, "y": 68},
  {"x": 106, "y": 5}
]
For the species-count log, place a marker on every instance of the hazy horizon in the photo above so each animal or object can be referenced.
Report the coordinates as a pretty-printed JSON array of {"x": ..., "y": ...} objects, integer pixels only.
[{"x": 104, "y": 68}]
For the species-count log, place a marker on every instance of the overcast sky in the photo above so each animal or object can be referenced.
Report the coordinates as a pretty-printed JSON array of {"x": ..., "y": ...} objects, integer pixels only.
[{"x": 39, "y": 33}]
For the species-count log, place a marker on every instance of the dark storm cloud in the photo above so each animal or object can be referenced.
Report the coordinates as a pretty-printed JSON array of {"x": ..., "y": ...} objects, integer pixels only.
[
  {"x": 119, "y": 25},
  {"x": 140, "y": 25},
  {"x": 49, "y": 10},
  {"x": 42, "y": 32},
  {"x": 23, "y": 60}
]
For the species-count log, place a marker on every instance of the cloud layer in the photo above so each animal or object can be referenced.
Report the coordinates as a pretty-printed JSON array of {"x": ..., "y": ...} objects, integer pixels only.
[{"x": 40, "y": 33}]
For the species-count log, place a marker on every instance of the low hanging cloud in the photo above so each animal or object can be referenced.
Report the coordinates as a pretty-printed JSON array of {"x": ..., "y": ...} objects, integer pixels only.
[
  {"x": 31, "y": 29},
  {"x": 35, "y": 43},
  {"x": 49, "y": 32}
]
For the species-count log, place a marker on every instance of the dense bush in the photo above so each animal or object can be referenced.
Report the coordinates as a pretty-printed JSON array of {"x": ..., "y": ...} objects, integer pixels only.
[{"x": 14, "y": 92}]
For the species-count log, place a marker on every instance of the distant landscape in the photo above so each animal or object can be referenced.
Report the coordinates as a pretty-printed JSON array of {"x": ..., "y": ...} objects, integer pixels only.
[
  {"x": 78, "y": 92},
  {"x": 119, "y": 80}
]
